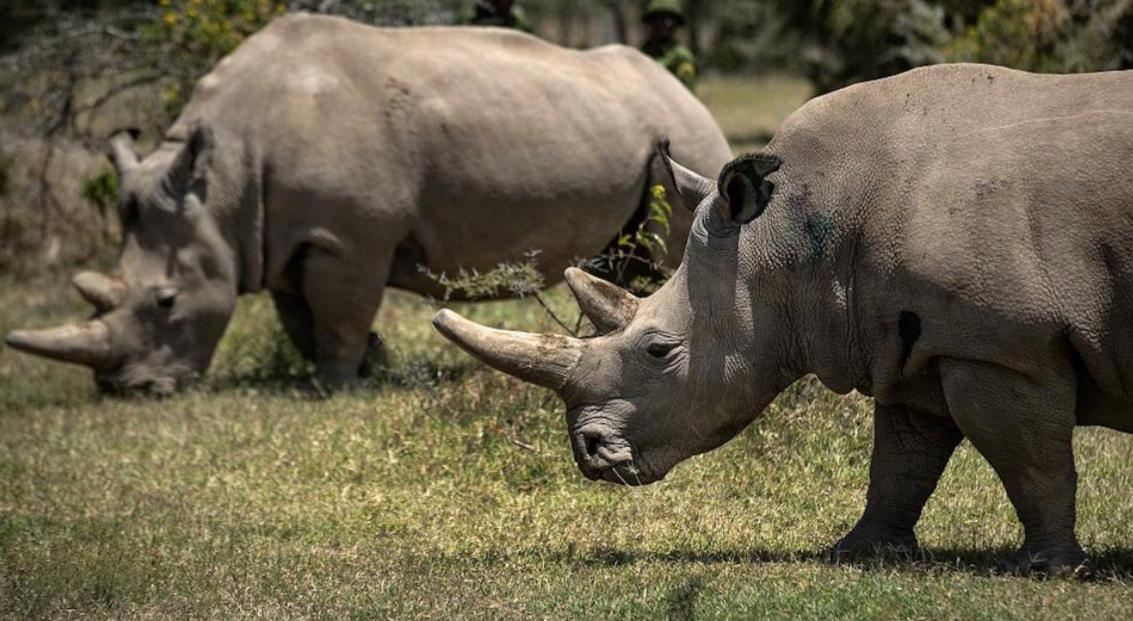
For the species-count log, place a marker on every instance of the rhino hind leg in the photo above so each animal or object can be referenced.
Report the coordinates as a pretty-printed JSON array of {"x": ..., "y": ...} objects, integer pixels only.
[
  {"x": 910, "y": 452},
  {"x": 1023, "y": 425}
]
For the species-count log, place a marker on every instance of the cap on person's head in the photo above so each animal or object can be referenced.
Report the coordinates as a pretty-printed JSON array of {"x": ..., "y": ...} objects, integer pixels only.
[{"x": 657, "y": 8}]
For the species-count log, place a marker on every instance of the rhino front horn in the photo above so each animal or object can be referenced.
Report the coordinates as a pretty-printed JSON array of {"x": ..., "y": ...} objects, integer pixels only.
[
  {"x": 88, "y": 343},
  {"x": 606, "y": 305},
  {"x": 543, "y": 359},
  {"x": 103, "y": 292}
]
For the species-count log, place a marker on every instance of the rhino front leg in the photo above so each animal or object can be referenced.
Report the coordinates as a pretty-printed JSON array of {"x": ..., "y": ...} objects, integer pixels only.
[
  {"x": 1024, "y": 427},
  {"x": 343, "y": 296},
  {"x": 910, "y": 451}
]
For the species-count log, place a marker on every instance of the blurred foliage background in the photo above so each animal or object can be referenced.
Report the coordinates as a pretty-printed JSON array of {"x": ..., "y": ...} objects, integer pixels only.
[{"x": 71, "y": 71}]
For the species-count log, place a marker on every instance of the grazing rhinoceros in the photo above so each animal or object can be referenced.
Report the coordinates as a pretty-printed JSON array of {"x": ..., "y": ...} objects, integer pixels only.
[
  {"x": 323, "y": 160},
  {"x": 956, "y": 241}
]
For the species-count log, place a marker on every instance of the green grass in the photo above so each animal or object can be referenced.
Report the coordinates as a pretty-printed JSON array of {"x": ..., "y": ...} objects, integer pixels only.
[{"x": 447, "y": 491}]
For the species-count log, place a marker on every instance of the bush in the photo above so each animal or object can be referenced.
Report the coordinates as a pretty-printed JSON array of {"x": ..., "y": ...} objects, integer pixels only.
[
  {"x": 1050, "y": 36},
  {"x": 856, "y": 40},
  {"x": 1022, "y": 34},
  {"x": 101, "y": 191},
  {"x": 198, "y": 33}
]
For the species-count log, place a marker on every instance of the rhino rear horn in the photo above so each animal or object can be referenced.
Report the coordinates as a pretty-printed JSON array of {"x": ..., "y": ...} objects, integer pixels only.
[
  {"x": 87, "y": 344},
  {"x": 543, "y": 359},
  {"x": 606, "y": 305},
  {"x": 692, "y": 187},
  {"x": 103, "y": 292},
  {"x": 122, "y": 150}
]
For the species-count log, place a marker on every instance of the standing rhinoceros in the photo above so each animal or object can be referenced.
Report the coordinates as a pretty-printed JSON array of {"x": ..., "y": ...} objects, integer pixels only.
[
  {"x": 323, "y": 160},
  {"x": 956, "y": 241}
]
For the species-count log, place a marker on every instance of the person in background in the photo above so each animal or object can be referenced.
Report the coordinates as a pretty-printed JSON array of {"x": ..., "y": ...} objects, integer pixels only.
[
  {"x": 502, "y": 13},
  {"x": 663, "y": 19}
]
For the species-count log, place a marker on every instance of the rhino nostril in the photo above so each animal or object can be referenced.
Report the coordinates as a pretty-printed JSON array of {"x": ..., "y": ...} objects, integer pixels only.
[
  {"x": 593, "y": 441},
  {"x": 589, "y": 443}
]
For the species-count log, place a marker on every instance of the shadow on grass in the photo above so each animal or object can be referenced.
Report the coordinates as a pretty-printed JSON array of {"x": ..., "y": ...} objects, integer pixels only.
[
  {"x": 409, "y": 375},
  {"x": 1113, "y": 565},
  {"x": 681, "y": 601}
]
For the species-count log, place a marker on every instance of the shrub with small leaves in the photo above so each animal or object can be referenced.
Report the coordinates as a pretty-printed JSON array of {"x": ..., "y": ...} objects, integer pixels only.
[
  {"x": 197, "y": 33},
  {"x": 101, "y": 190},
  {"x": 5, "y": 171},
  {"x": 635, "y": 257}
]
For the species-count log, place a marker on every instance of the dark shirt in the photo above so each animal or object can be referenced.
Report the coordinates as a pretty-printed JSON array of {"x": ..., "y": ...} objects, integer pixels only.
[
  {"x": 485, "y": 14},
  {"x": 676, "y": 58}
]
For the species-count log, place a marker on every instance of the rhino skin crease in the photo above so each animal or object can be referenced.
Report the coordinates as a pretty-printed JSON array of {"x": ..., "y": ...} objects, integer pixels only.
[
  {"x": 323, "y": 160},
  {"x": 955, "y": 241}
]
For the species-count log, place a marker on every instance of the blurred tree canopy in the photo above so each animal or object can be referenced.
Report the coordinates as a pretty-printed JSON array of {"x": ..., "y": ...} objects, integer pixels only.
[
  {"x": 63, "y": 59},
  {"x": 847, "y": 41}
]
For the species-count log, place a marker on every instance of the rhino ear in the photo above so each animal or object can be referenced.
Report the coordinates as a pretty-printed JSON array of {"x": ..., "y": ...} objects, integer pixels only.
[
  {"x": 122, "y": 152},
  {"x": 693, "y": 188},
  {"x": 744, "y": 188},
  {"x": 191, "y": 157}
]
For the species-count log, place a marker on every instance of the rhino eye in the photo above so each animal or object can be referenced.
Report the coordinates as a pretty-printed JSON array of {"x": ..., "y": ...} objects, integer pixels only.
[{"x": 660, "y": 350}]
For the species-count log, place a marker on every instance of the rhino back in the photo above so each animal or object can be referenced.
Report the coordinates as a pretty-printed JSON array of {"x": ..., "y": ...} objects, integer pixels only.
[
  {"x": 990, "y": 209},
  {"x": 477, "y": 144}
]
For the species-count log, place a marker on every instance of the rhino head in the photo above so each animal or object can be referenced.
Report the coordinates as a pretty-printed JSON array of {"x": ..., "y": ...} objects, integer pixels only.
[
  {"x": 672, "y": 375},
  {"x": 159, "y": 316}
]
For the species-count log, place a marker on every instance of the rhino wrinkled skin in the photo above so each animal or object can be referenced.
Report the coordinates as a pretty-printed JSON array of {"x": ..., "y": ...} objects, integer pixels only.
[
  {"x": 955, "y": 241},
  {"x": 323, "y": 160}
]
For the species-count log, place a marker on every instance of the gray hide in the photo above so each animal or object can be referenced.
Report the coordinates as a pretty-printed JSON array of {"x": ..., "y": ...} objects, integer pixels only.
[
  {"x": 956, "y": 241},
  {"x": 324, "y": 159}
]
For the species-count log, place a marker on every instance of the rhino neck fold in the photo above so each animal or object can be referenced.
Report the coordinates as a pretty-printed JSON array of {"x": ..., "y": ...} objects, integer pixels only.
[
  {"x": 250, "y": 238},
  {"x": 824, "y": 306},
  {"x": 235, "y": 176}
]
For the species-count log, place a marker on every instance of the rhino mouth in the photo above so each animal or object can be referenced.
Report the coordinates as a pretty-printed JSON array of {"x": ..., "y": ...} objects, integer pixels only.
[
  {"x": 628, "y": 475},
  {"x": 603, "y": 456},
  {"x": 141, "y": 381}
]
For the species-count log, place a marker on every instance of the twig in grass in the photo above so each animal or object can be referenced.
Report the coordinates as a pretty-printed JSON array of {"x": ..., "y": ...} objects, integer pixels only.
[{"x": 555, "y": 317}]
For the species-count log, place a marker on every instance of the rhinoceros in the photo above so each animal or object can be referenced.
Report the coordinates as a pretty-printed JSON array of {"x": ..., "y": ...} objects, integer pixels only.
[
  {"x": 323, "y": 160},
  {"x": 955, "y": 241}
]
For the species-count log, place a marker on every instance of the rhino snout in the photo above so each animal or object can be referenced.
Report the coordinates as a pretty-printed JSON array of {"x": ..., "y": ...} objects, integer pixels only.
[{"x": 600, "y": 454}]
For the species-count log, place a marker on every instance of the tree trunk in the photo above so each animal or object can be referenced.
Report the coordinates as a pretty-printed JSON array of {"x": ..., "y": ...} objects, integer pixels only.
[
  {"x": 621, "y": 28},
  {"x": 694, "y": 11}
]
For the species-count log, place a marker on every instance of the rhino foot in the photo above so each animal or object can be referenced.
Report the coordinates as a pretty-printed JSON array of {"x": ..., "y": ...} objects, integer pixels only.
[
  {"x": 855, "y": 547},
  {"x": 1030, "y": 561}
]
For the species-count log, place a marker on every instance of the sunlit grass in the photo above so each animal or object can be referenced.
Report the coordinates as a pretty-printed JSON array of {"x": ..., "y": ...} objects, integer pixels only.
[{"x": 451, "y": 492}]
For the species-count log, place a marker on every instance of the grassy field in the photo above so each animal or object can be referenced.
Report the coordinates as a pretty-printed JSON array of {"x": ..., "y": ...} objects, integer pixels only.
[{"x": 447, "y": 491}]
